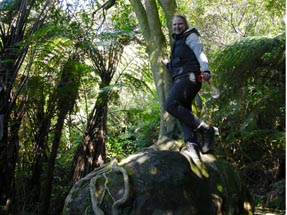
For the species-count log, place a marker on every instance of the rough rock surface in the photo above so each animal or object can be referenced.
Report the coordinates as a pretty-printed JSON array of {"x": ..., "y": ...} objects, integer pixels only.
[{"x": 160, "y": 183}]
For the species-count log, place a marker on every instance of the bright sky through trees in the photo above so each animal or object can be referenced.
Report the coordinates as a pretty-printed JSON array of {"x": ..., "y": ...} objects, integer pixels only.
[{"x": 76, "y": 4}]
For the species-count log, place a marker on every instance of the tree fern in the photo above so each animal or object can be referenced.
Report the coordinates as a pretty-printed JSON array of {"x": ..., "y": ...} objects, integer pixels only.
[
  {"x": 250, "y": 57},
  {"x": 250, "y": 112}
]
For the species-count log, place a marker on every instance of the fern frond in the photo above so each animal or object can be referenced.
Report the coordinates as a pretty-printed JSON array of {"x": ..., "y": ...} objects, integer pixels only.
[{"x": 248, "y": 57}]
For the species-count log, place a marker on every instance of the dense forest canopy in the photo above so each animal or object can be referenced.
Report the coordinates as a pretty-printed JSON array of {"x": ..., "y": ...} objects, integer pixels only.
[{"x": 82, "y": 82}]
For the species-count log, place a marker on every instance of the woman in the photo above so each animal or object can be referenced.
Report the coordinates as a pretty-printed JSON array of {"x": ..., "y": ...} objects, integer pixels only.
[{"x": 186, "y": 63}]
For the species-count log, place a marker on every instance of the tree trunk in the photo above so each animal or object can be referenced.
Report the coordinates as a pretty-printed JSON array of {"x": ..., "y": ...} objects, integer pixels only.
[
  {"x": 150, "y": 24},
  {"x": 8, "y": 148},
  {"x": 67, "y": 94},
  {"x": 39, "y": 153},
  {"x": 11, "y": 156},
  {"x": 14, "y": 18},
  {"x": 92, "y": 151}
]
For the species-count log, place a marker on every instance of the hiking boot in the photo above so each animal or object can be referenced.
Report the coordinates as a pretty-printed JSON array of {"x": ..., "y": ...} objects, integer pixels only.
[
  {"x": 192, "y": 151},
  {"x": 207, "y": 134}
]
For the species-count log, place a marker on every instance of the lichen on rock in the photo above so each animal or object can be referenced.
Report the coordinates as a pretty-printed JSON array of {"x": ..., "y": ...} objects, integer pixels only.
[{"x": 160, "y": 182}]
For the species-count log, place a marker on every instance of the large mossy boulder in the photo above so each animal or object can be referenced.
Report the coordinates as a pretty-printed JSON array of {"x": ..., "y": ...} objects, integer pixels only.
[{"x": 160, "y": 183}]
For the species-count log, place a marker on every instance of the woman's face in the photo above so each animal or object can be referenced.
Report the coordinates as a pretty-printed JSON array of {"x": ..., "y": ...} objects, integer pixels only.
[{"x": 178, "y": 25}]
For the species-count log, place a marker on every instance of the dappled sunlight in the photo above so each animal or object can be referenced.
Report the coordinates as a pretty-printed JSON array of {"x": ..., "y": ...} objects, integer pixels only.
[
  {"x": 159, "y": 83},
  {"x": 219, "y": 187},
  {"x": 247, "y": 206},
  {"x": 153, "y": 171},
  {"x": 141, "y": 158},
  {"x": 166, "y": 115},
  {"x": 267, "y": 211},
  {"x": 170, "y": 145},
  {"x": 83, "y": 83},
  {"x": 217, "y": 201},
  {"x": 197, "y": 167},
  {"x": 167, "y": 144},
  {"x": 208, "y": 158},
  {"x": 174, "y": 172}
]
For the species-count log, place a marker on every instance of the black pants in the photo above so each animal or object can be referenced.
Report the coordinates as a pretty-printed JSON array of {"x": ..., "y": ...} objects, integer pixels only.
[{"x": 179, "y": 104}]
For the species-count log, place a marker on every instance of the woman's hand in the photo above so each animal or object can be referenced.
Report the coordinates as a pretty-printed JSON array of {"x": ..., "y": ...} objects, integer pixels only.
[{"x": 206, "y": 75}]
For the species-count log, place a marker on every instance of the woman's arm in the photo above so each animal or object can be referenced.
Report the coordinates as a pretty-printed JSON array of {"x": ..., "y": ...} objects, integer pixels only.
[{"x": 193, "y": 42}]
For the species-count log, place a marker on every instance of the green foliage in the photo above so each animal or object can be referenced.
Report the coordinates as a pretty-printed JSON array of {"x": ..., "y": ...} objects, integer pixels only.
[
  {"x": 251, "y": 54},
  {"x": 220, "y": 22},
  {"x": 134, "y": 128},
  {"x": 276, "y": 197},
  {"x": 125, "y": 22},
  {"x": 250, "y": 74},
  {"x": 8, "y": 9},
  {"x": 250, "y": 112}
]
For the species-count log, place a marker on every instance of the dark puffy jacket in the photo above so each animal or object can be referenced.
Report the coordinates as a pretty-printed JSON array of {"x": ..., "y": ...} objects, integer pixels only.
[{"x": 183, "y": 59}]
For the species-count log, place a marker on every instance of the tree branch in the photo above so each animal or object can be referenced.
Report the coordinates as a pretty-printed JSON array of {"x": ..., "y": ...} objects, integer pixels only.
[{"x": 142, "y": 18}]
